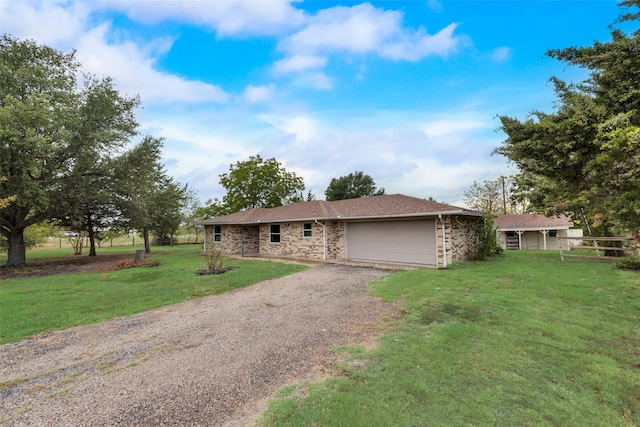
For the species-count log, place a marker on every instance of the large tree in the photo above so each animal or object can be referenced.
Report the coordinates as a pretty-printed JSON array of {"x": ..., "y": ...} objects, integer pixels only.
[
  {"x": 353, "y": 186},
  {"x": 55, "y": 136},
  {"x": 258, "y": 183},
  {"x": 142, "y": 164},
  {"x": 105, "y": 123},
  {"x": 38, "y": 102},
  {"x": 584, "y": 158}
]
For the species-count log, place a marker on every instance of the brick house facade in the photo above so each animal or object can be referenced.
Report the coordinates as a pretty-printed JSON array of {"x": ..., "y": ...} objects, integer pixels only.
[{"x": 394, "y": 227}]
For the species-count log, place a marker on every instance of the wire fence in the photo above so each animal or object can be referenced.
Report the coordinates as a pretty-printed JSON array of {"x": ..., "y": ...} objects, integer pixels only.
[{"x": 66, "y": 242}]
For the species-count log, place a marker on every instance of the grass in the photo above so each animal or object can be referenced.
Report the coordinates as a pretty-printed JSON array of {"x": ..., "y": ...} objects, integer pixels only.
[
  {"x": 38, "y": 304},
  {"x": 522, "y": 340}
]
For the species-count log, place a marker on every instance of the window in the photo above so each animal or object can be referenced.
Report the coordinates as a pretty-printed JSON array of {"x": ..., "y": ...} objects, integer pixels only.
[
  {"x": 306, "y": 229},
  {"x": 553, "y": 233},
  {"x": 274, "y": 231},
  {"x": 217, "y": 233}
]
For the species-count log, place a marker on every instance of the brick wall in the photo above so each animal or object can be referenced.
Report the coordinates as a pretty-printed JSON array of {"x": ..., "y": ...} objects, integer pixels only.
[
  {"x": 292, "y": 243},
  {"x": 231, "y": 239},
  {"x": 335, "y": 241},
  {"x": 257, "y": 241}
]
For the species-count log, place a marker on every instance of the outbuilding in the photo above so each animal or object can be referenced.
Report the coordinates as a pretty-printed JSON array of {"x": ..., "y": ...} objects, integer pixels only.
[
  {"x": 388, "y": 229},
  {"x": 533, "y": 231}
]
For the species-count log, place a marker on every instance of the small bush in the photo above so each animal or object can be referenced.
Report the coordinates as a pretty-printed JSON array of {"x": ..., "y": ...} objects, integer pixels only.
[
  {"x": 630, "y": 262},
  {"x": 215, "y": 258}
]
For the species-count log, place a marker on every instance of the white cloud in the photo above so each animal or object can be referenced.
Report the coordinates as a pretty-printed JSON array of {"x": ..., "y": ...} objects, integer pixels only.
[
  {"x": 52, "y": 23},
  {"x": 227, "y": 17},
  {"x": 133, "y": 68},
  {"x": 413, "y": 47},
  {"x": 501, "y": 54},
  {"x": 429, "y": 177},
  {"x": 360, "y": 28},
  {"x": 316, "y": 80},
  {"x": 364, "y": 29},
  {"x": 66, "y": 25},
  {"x": 303, "y": 128},
  {"x": 299, "y": 63},
  {"x": 256, "y": 94},
  {"x": 453, "y": 125}
]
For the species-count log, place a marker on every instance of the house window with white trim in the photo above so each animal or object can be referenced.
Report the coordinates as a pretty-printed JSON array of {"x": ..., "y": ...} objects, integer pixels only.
[
  {"x": 274, "y": 232},
  {"x": 217, "y": 233},
  {"x": 553, "y": 233},
  {"x": 306, "y": 229}
]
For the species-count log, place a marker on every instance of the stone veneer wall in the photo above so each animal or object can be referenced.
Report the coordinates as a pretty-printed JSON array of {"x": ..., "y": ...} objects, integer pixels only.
[{"x": 461, "y": 238}]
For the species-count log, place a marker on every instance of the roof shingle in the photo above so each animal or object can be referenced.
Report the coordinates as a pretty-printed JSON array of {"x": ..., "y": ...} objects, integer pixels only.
[
  {"x": 511, "y": 222},
  {"x": 393, "y": 205}
]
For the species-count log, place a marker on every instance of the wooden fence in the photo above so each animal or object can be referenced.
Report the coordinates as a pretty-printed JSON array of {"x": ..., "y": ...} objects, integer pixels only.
[{"x": 597, "y": 250}]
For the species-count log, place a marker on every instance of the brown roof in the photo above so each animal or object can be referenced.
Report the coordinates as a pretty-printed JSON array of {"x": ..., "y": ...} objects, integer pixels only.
[
  {"x": 387, "y": 206},
  {"x": 512, "y": 222}
]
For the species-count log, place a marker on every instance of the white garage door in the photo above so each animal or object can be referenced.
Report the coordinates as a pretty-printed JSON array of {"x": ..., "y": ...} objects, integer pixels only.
[{"x": 396, "y": 242}]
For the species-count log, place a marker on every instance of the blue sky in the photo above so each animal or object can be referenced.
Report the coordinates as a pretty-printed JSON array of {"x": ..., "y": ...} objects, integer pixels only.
[{"x": 406, "y": 91}]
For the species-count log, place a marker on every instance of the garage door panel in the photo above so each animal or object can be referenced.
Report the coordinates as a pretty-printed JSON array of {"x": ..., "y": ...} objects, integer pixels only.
[{"x": 403, "y": 242}]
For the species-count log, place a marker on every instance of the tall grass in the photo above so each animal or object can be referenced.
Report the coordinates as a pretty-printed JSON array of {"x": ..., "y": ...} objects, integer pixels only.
[
  {"x": 523, "y": 340},
  {"x": 38, "y": 304}
]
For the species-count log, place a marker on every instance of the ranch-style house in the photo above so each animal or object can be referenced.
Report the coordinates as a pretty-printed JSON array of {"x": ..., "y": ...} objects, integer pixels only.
[{"x": 388, "y": 229}]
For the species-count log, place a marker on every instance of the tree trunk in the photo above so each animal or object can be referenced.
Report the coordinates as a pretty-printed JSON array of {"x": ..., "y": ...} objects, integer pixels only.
[
  {"x": 92, "y": 237},
  {"x": 147, "y": 244},
  {"x": 16, "y": 256}
]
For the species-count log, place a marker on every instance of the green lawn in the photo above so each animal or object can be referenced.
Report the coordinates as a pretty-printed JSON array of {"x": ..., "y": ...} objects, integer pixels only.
[
  {"x": 32, "y": 305},
  {"x": 523, "y": 340}
]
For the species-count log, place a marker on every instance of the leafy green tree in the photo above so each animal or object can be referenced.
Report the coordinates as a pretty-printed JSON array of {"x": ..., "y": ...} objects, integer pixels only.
[
  {"x": 166, "y": 204},
  {"x": 212, "y": 208},
  {"x": 192, "y": 209},
  {"x": 258, "y": 183},
  {"x": 492, "y": 196},
  {"x": 4, "y": 201},
  {"x": 38, "y": 104},
  {"x": 141, "y": 164},
  {"x": 105, "y": 123},
  {"x": 583, "y": 159},
  {"x": 54, "y": 135},
  {"x": 352, "y": 186}
]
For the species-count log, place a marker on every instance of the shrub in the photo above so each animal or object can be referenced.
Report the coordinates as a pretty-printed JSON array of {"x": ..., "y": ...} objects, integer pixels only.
[
  {"x": 629, "y": 262},
  {"x": 215, "y": 258},
  {"x": 487, "y": 243}
]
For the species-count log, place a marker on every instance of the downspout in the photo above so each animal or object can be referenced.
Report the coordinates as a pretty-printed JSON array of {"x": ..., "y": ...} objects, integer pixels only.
[
  {"x": 444, "y": 242},
  {"x": 324, "y": 240}
]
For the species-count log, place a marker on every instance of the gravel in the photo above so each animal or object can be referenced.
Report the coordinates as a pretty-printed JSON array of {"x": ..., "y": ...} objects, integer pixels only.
[{"x": 213, "y": 361}]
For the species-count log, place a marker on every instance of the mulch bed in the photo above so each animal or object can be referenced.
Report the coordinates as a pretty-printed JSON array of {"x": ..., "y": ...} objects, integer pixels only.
[{"x": 65, "y": 265}]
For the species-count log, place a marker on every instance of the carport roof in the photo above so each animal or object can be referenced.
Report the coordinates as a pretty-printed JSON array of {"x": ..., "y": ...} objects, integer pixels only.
[
  {"x": 381, "y": 207},
  {"x": 514, "y": 222}
]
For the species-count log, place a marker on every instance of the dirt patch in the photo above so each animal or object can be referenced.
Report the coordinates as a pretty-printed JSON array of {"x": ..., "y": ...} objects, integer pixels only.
[
  {"x": 213, "y": 361},
  {"x": 68, "y": 264}
]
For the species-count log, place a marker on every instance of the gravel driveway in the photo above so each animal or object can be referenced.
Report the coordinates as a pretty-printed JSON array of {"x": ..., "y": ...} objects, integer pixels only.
[{"x": 212, "y": 361}]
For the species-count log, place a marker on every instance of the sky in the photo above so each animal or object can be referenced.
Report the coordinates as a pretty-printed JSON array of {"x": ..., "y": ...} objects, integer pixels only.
[{"x": 408, "y": 92}]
